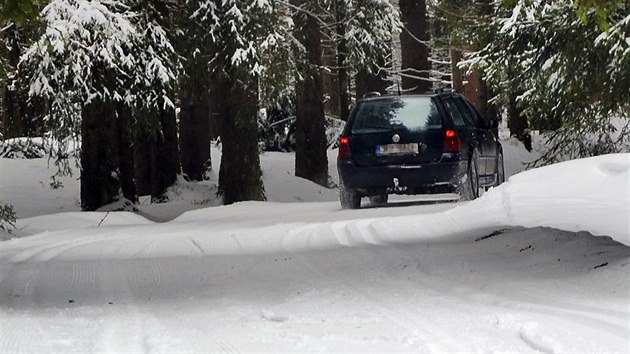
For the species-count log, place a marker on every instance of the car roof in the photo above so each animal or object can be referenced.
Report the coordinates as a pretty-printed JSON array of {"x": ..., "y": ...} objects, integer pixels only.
[{"x": 409, "y": 96}]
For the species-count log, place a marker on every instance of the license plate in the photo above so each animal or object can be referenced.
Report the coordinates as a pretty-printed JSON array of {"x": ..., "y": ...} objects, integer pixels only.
[{"x": 397, "y": 149}]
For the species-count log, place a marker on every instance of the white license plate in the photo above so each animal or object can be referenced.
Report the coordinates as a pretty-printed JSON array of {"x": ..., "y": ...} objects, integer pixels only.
[{"x": 397, "y": 149}]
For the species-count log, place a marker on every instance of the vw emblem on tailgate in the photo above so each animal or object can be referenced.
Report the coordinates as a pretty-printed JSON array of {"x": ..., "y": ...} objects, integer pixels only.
[{"x": 396, "y": 138}]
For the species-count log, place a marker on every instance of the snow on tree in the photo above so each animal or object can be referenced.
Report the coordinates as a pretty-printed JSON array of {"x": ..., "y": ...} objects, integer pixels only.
[
  {"x": 371, "y": 27},
  {"x": 94, "y": 61},
  {"x": 573, "y": 78},
  {"x": 93, "y": 49},
  {"x": 247, "y": 39}
]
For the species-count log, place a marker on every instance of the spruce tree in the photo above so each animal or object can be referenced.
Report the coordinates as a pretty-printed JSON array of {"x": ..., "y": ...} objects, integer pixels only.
[
  {"x": 414, "y": 40},
  {"x": 571, "y": 74},
  {"x": 94, "y": 63}
]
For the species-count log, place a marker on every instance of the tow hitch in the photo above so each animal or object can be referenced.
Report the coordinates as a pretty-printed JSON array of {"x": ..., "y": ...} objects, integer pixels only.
[{"x": 397, "y": 187}]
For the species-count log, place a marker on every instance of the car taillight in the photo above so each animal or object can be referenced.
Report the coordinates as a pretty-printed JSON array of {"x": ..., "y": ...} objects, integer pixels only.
[
  {"x": 344, "y": 148},
  {"x": 452, "y": 142}
]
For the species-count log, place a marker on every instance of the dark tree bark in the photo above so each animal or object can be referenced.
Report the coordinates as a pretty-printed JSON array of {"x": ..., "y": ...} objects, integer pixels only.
[
  {"x": 415, "y": 55},
  {"x": 14, "y": 121},
  {"x": 342, "y": 71},
  {"x": 142, "y": 162},
  {"x": 331, "y": 81},
  {"x": 311, "y": 161},
  {"x": 370, "y": 82},
  {"x": 485, "y": 94},
  {"x": 100, "y": 175},
  {"x": 126, "y": 154},
  {"x": 517, "y": 122},
  {"x": 194, "y": 133},
  {"x": 165, "y": 164},
  {"x": 457, "y": 76},
  {"x": 240, "y": 177}
]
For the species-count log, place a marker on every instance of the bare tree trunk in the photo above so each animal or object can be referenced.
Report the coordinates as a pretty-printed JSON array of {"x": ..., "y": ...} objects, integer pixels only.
[
  {"x": 517, "y": 122},
  {"x": 311, "y": 160},
  {"x": 142, "y": 148},
  {"x": 14, "y": 101},
  {"x": 331, "y": 81},
  {"x": 165, "y": 156},
  {"x": 342, "y": 70},
  {"x": 414, "y": 47},
  {"x": 100, "y": 178},
  {"x": 194, "y": 133},
  {"x": 126, "y": 154},
  {"x": 370, "y": 82},
  {"x": 457, "y": 76},
  {"x": 240, "y": 177}
]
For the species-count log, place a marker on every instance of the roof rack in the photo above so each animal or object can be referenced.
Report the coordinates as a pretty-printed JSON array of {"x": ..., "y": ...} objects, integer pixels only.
[
  {"x": 372, "y": 94},
  {"x": 444, "y": 89}
]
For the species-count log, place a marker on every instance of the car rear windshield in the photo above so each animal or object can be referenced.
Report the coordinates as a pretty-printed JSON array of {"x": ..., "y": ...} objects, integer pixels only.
[{"x": 412, "y": 114}]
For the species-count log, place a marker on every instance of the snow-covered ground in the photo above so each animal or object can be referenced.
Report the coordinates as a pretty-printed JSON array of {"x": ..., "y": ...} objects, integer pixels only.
[{"x": 537, "y": 264}]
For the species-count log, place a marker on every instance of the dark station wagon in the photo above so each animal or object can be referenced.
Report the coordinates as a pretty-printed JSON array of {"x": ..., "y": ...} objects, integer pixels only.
[{"x": 416, "y": 144}]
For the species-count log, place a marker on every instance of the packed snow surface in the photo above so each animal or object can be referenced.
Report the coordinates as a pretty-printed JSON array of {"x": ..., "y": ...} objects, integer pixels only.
[{"x": 539, "y": 263}]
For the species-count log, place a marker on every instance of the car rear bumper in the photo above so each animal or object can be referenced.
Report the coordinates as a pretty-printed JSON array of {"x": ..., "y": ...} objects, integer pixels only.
[{"x": 401, "y": 179}]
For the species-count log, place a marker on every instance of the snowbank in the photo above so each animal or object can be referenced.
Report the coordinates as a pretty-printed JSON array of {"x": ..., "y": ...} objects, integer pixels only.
[{"x": 582, "y": 195}]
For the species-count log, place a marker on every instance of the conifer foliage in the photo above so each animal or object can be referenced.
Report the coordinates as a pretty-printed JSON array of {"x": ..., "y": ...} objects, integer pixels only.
[
  {"x": 572, "y": 73},
  {"x": 94, "y": 61}
]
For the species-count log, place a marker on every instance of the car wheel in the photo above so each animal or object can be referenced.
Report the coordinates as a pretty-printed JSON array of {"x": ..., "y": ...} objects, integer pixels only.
[
  {"x": 469, "y": 188},
  {"x": 349, "y": 198},
  {"x": 500, "y": 173},
  {"x": 379, "y": 199}
]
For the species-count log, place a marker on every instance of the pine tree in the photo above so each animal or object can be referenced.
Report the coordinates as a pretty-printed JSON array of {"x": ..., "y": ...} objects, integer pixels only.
[
  {"x": 414, "y": 39},
  {"x": 311, "y": 161},
  {"x": 573, "y": 75},
  {"x": 246, "y": 39},
  {"x": 94, "y": 62}
]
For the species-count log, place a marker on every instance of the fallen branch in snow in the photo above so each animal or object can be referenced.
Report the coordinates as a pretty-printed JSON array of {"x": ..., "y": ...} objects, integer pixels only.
[{"x": 103, "y": 219}]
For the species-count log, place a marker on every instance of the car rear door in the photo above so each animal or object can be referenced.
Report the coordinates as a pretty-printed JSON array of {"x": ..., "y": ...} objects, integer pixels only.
[
  {"x": 396, "y": 131},
  {"x": 466, "y": 128},
  {"x": 486, "y": 137}
]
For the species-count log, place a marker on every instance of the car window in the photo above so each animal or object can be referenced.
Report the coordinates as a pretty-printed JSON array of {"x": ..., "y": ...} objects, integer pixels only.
[
  {"x": 467, "y": 113},
  {"x": 456, "y": 115},
  {"x": 413, "y": 114},
  {"x": 479, "y": 119}
]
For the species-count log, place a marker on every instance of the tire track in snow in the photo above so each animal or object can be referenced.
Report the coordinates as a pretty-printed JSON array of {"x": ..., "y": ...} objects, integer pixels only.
[
  {"x": 205, "y": 339},
  {"x": 419, "y": 329}
]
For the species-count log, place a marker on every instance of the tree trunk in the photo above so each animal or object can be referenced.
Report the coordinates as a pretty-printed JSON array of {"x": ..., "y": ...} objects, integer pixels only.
[
  {"x": 370, "y": 82},
  {"x": 100, "y": 177},
  {"x": 311, "y": 160},
  {"x": 126, "y": 154},
  {"x": 142, "y": 148},
  {"x": 331, "y": 82},
  {"x": 517, "y": 122},
  {"x": 165, "y": 164},
  {"x": 240, "y": 177},
  {"x": 194, "y": 134},
  {"x": 342, "y": 70},
  {"x": 14, "y": 100},
  {"x": 415, "y": 54},
  {"x": 457, "y": 76},
  {"x": 486, "y": 8}
]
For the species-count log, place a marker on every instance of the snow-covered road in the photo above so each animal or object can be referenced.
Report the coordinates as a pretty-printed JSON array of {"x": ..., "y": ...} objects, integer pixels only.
[{"x": 517, "y": 290}]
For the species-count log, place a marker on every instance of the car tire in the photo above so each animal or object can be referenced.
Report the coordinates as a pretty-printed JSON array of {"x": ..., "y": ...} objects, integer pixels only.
[
  {"x": 500, "y": 172},
  {"x": 349, "y": 198},
  {"x": 379, "y": 199},
  {"x": 469, "y": 188}
]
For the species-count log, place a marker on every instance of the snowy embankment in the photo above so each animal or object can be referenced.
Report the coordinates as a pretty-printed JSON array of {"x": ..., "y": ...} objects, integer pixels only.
[{"x": 583, "y": 195}]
